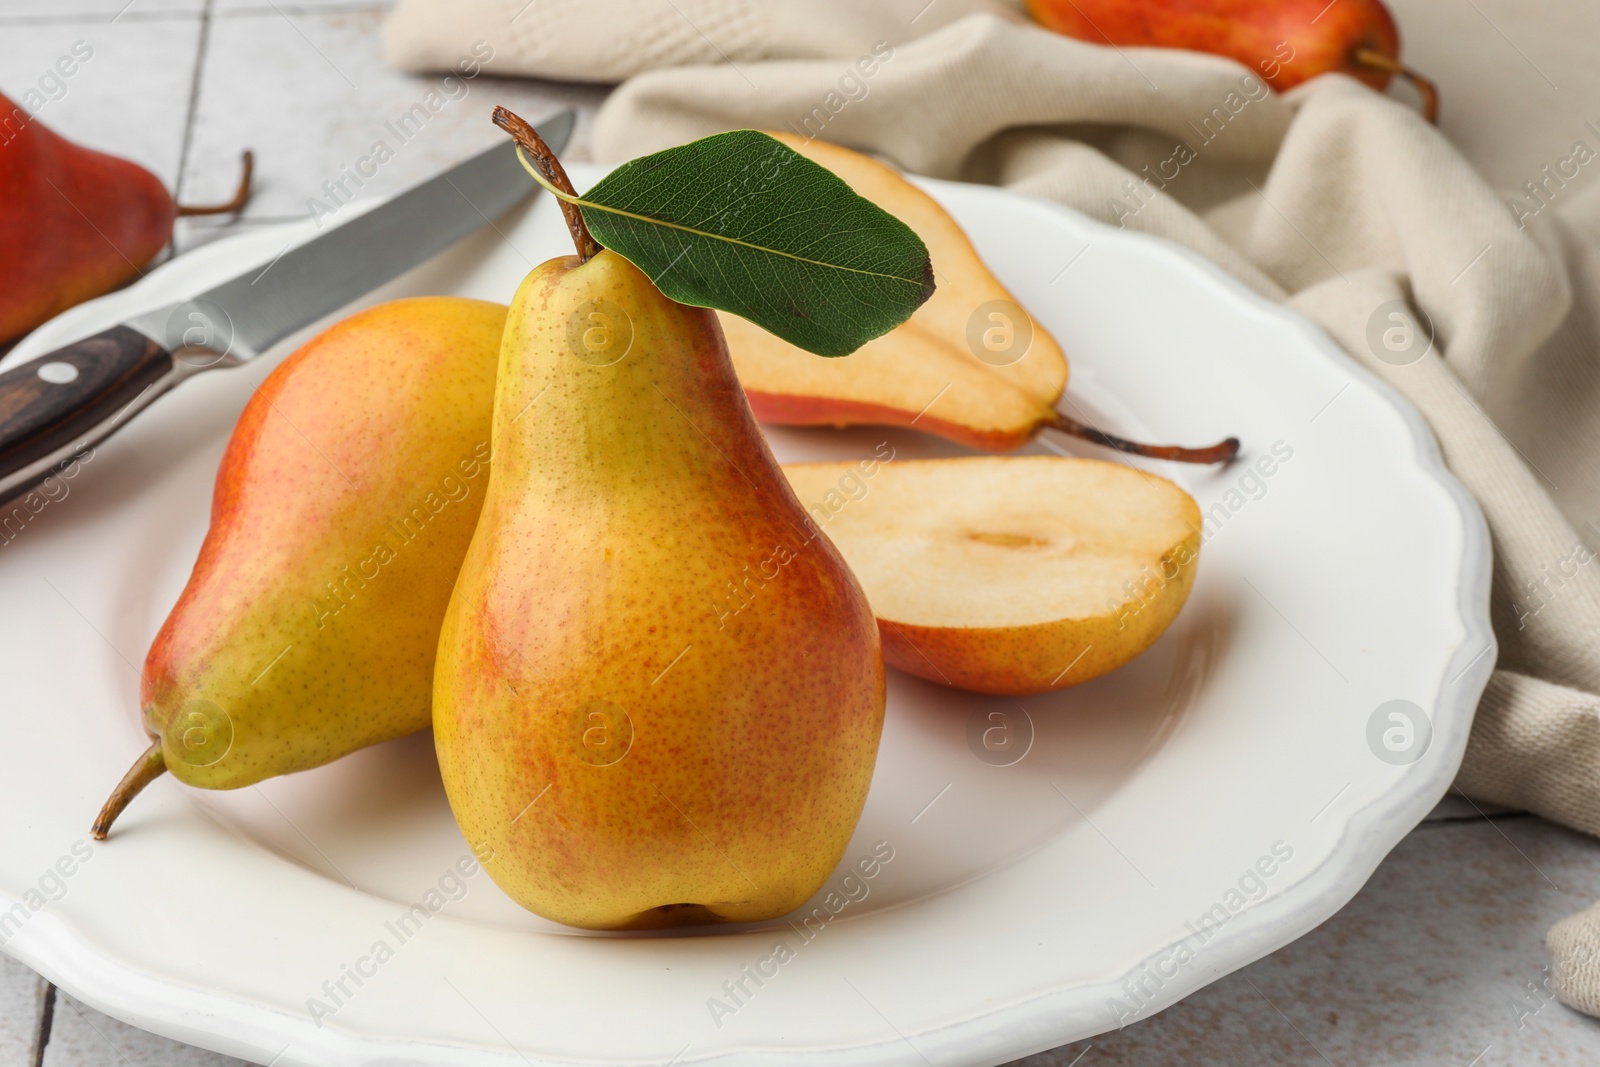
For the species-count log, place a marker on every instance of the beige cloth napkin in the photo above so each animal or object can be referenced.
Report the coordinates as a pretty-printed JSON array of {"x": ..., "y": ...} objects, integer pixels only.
[{"x": 1331, "y": 199}]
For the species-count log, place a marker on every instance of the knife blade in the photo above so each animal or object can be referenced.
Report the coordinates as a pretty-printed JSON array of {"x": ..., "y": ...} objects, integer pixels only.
[{"x": 58, "y": 405}]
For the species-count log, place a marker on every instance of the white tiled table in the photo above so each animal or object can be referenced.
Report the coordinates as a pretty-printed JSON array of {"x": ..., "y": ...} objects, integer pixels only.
[{"x": 1440, "y": 958}]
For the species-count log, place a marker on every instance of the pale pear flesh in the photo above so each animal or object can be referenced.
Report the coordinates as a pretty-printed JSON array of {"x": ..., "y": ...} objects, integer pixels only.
[{"x": 1010, "y": 575}]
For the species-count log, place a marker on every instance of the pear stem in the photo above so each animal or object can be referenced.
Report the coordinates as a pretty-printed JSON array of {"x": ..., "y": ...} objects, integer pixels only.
[
  {"x": 529, "y": 141},
  {"x": 241, "y": 195},
  {"x": 1221, "y": 452},
  {"x": 151, "y": 765},
  {"x": 1366, "y": 57}
]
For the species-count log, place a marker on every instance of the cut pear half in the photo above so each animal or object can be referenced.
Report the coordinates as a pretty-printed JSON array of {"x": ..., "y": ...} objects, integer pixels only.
[
  {"x": 970, "y": 364},
  {"x": 1009, "y": 574},
  {"x": 924, "y": 372}
]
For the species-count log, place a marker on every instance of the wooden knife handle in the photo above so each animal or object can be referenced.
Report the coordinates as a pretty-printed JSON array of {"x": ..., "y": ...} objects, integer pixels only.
[{"x": 72, "y": 396}]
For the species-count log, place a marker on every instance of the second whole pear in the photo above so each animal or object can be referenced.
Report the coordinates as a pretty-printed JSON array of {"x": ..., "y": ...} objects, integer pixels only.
[{"x": 659, "y": 692}]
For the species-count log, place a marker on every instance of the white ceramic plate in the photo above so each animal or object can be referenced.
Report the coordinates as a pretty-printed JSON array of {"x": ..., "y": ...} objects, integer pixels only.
[{"x": 1169, "y": 823}]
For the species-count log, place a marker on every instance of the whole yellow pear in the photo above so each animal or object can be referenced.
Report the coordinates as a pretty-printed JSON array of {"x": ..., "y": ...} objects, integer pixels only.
[
  {"x": 343, "y": 505},
  {"x": 659, "y": 689}
]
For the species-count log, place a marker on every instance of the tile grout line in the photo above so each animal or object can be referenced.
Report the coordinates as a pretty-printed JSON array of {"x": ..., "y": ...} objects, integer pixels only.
[
  {"x": 47, "y": 1015},
  {"x": 193, "y": 112},
  {"x": 87, "y": 18}
]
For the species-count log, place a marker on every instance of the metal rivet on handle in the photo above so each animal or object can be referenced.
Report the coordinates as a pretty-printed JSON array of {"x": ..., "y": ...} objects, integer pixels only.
[{"x": 58, "y": 373}]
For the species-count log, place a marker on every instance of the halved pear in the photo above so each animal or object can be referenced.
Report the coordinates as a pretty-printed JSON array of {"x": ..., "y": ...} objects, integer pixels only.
[
  {"x": 971, "y": 364},
  {"x": 1010, "y": 575},
  {"x": 923, "y": 372}
]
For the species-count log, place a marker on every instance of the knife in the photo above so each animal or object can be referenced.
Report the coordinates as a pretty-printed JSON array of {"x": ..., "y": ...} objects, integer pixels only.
[{"x": 55, "y": 407}]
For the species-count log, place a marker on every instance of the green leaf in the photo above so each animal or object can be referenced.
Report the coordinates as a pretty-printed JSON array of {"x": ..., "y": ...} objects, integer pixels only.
[{"x": 743, "y": 223}]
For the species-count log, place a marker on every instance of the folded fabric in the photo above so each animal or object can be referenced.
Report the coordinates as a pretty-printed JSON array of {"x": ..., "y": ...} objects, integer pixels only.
[
  {"x": 611, "y": 40},
  {"x": 1332, "y": 199}
]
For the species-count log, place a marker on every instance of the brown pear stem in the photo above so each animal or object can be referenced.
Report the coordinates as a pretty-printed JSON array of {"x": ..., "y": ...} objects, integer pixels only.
[
  {"x": 1221, "y": 452},
  {"x": 241, "y": 195},
  {"x": 1366, "y": 57},
  {"x": 529, "y": 141},
  {"x": 151, "y": 765}
]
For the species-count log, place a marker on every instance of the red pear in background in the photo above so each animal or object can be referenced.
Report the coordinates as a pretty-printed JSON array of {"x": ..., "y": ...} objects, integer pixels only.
[
  {"x": 75, "y": 223},
  {"x": 1286, "y": 42}
]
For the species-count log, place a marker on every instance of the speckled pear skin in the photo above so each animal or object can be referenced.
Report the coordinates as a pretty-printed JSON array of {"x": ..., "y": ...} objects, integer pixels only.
[
  {"x": 343, "y": 506},
  {"x": 659, "y": 690}
]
